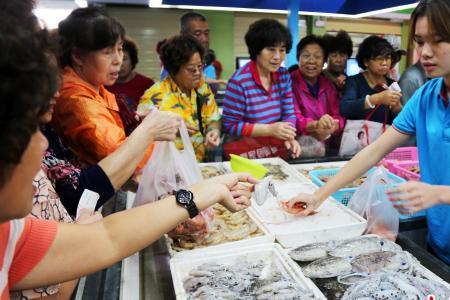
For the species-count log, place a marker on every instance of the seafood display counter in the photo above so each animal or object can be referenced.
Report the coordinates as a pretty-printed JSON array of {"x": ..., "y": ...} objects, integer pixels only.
[{"x": 165, "y": 271}]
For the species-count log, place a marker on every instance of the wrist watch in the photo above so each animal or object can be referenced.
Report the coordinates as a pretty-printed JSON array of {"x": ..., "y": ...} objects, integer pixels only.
[{"x": 186, "y": 199}]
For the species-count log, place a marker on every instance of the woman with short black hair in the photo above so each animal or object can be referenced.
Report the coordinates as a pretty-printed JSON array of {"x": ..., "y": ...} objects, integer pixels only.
[
  {"x": 184, "y": 91},
  {"x": 258, "y": 101},
  {"x": 368, "y": 90}
]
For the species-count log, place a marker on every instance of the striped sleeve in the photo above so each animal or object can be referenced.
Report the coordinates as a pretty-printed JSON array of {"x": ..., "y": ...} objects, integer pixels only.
[
  {"x": 234, "y": 105},
  {"x": 287, "y": 101}
]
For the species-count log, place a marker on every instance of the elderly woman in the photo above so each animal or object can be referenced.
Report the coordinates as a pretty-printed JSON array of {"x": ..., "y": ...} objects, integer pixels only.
[
  {"x": 186, "y": 93},
  {"x": 367, "y": 91},
  {"x": 258, "y": 100},
  {"x": 86, "y": 115},
  {"x": 316, "y": 98},
  {"x": 339, "y": 48}
]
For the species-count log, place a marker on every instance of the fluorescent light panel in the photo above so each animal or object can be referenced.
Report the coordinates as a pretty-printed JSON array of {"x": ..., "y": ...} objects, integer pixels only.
[{"x": 158, "y": 4}]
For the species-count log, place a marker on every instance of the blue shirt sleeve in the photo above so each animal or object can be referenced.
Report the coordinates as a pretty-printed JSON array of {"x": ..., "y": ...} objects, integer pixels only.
[
  {"x": 209, "y": 72},
  {"x": 405, "y": 122}
]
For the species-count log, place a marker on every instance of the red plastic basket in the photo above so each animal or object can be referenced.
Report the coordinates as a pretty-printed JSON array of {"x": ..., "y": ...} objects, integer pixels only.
[
  {"x": 398, "y": 155},
  {"x": 401, "y": 169}
]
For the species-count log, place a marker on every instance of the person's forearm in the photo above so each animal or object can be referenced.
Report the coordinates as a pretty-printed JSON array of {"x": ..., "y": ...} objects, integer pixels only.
[
  {"x": 79, "y": 250},
  {"x": 445, "y": 195},
  {"x": 120, "y": 165},
  {"x": 362, "y": 162},
  {"x": 261, "y": 130}
]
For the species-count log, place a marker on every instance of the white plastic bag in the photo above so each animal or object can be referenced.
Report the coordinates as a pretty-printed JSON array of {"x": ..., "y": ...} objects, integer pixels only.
[
  {"x": 168, "y": 170},
  {"x": 371, "y": 202},
  {"x": 358, "y": 134},
  {"x": 311, "y": 147}
]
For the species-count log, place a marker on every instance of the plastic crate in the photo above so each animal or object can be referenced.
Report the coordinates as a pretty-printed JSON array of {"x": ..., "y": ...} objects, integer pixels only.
[
  {"x": 401, "y": 169},
  {"x": 344, "y": 195},
  {"x": 399, "y": 154}
]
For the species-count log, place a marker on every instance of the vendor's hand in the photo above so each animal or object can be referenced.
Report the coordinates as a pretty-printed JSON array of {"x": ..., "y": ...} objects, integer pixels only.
[
  {"x": 235, "y": 197},
  {"x": 414, "y": 196},
  {"x": 294, "y": 147},
  {"x": 212, "y": 138},
  {"x": 310, "y": 203},
  {"x": 387, "y": 98},
  {"x": 87, "y": 216},
  {"x": 191, "y": 128},
  {"x": 162, "y": 125},
  {"x": 283, "y": 131}
]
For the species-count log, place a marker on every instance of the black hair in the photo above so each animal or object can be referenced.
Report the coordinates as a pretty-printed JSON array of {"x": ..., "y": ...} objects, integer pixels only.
[
  {"x": 87, "y": 29},
  {"x": 130, "y": 46},
  {"x": 372, "y": 47},
  {"x": 267, "y": 33},
  {"x": 437, "y": 13},
  {"x": 178, "y": 50},
  {"x": 310, "y": 40},
  {"x": 210, "y": 57},
  {"x": 341, "y": 43},
  {"x": 28, "y": 80},
  {"x": 187, "y": 18}
]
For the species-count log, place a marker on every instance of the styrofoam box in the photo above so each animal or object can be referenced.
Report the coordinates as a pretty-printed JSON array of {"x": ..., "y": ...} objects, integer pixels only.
[
  {"x": 289, "y": 170},
  {"x": 265, "y": 238},
  {"x": 332, "y": 221},
  {"x": 181, "y": 266}
]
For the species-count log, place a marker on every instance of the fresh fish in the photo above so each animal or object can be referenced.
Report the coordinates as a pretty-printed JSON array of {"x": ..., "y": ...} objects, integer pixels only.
[
  {"x": 328, "y": 267},
  {"x": 381, "y": 261},
  {"x": 309, "y": 252},
  {"x": 354, "y": 247}
]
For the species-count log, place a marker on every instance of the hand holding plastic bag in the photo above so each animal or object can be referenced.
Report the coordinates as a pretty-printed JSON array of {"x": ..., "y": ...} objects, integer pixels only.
[
  {"x": 168, "y": 170},
  {"x": 371, "y": 202}
]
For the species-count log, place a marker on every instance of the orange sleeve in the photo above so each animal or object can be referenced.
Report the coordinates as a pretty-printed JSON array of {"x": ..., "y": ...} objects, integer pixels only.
[
  {"x": 91, "y": 129},
  {"x": 36, "y": 239}
]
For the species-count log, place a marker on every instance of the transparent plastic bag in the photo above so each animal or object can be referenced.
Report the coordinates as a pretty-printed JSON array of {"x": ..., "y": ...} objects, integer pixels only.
[
  {"x": 371, "y": 202},
  {"x": 168, "y": 170},
  {"x": 311, "y": 147}
]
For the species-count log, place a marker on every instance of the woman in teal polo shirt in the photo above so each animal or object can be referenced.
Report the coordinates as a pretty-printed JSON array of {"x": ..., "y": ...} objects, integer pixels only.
[{"x": 426, "y": 116}]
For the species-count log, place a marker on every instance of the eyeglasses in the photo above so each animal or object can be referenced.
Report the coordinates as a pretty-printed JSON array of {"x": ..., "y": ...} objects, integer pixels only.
[
  {"x": 194, "y": 69},
  {"x": 381, "y": 59}
]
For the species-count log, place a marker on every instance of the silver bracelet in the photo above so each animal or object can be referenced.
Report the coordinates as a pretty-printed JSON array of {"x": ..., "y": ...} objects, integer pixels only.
[{"x": 369, "y": 103}]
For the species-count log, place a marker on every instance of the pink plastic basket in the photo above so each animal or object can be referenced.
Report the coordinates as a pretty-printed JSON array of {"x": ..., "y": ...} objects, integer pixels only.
[
  {"x": 401, "y": 169},
  {"x": 398, "y": 155}
]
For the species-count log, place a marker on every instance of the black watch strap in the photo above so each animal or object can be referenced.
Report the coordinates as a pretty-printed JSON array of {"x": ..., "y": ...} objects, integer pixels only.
[
  {"x": 192, "y": 209},
  {"x": 186, "y": 199}
]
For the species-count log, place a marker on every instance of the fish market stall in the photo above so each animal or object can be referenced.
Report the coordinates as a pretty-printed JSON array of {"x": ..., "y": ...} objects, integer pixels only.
[{"x": 165, "y": 270}]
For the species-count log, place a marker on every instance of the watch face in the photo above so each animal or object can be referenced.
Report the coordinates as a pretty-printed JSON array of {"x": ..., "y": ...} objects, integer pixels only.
[{"x": 184, "y": 197}]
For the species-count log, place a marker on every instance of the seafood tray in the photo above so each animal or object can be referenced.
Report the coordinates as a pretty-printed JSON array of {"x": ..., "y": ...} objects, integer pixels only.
[
  {"x": 209, "y": 170},
  {"x": 304, "y": 169},
  {"x": 319, "y": 177},
  {"x": 332, "y": 220},
  {"x": 244, "y": 271},
  {"x": 280, "y": 170},
  {"x": 410, "y": 170},
  {"x": 260, "y": 236},
  {"x": 342, "y": 269}
]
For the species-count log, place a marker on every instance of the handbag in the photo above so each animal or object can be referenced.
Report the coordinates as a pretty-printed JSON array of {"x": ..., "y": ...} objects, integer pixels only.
[{"x": 358, "y": 134}]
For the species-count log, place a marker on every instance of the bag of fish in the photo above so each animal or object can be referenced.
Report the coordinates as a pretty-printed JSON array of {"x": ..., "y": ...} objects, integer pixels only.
[
  {"x": 168, "y": 170},
  {"x": 371, "y": 202}
]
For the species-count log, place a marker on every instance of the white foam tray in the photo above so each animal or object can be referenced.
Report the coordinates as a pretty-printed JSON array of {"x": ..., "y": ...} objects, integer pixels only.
[
  {"x": 265, "y": 238},
  {"x": 332, "y": 221},
  {"x": 181, "y": 266},
  {"x": 293, "y": 174}
]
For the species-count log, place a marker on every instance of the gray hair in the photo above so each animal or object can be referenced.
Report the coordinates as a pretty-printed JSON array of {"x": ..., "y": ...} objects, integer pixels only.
[{"x": 187, "y": 18}]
